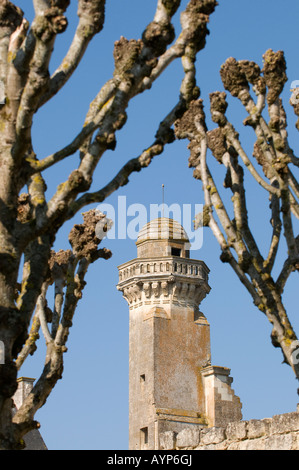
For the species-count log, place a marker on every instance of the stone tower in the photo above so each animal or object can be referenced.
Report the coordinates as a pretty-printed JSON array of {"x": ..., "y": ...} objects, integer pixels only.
[{"x": 172, "y": 384}]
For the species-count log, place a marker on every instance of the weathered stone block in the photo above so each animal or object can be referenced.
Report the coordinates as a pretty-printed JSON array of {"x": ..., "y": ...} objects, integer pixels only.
[
  {"x": 258, "y": 428},
  {"x": 212, "y": 436},
  {"x": 236, "y": 431},
  {"x": 188, "y": 437},
  {"x": 168, "y": 440},
  {"x": 253, "y": 444},
  {"x": 279, "y": 442},
  {"x": 296, "y": 441},
  {"x": 234, "y": 445},
  {"x": 220, "y": 446},
  {"x": 285, "y": 423}
]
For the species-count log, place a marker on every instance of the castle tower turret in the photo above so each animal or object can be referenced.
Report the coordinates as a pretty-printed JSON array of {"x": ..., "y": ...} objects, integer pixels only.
[{"x": 170, "y": 370}]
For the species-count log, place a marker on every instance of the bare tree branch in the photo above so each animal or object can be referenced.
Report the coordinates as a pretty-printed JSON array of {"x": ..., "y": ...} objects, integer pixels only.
[
  {"x": 91, "y": 21},
  {"x": 30, "y": 345},
  {"x": 29, "y": 221},
  {"x": 273, "y": 153},
  {"x": 41, "y": 304}
]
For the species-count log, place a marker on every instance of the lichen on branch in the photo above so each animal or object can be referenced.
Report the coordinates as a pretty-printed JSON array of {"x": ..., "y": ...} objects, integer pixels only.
[{"x": 273, "y": 153}]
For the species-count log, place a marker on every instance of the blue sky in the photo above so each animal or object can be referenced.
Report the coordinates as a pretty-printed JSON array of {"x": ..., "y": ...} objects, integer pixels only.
[{"x": 89, "y": 408}]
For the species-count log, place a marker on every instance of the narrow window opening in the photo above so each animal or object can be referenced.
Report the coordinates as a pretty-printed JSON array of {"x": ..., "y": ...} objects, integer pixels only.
[
  {"x": 144, "y": 437},
  {"x": 176, "y": 251},
  {"x": 142, "y": 384}
]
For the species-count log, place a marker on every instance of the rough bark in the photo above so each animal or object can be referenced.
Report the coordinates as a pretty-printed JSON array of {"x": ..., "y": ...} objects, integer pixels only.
[
  {"x": 29, "y": 221},
  {"x": 272, "y": 154}
]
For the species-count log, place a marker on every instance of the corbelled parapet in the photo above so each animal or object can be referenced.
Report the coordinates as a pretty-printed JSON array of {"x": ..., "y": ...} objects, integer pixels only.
[{"x": 148, "y": 281}]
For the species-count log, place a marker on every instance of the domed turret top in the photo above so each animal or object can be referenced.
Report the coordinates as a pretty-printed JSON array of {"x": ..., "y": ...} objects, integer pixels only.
[
  {"x": 163, "y": 229},
  {"x": 162, "y": 237}
]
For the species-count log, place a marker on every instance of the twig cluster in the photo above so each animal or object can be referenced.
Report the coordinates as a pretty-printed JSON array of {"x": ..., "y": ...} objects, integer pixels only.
[
  {"x": 257, "y": 90},
  {"x": 29, "y": 221}
]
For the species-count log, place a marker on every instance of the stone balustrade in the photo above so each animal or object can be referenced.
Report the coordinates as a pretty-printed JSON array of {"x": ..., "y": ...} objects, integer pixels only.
[
  {"x": 170, "y": 265},
  {"x": 171, "y": 279}
]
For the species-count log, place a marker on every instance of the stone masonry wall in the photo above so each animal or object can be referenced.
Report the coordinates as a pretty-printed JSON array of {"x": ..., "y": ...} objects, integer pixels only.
[{"x": 281, "y": 432}]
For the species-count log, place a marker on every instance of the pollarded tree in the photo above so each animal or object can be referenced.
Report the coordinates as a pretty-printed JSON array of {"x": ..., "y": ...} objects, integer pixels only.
[
  {"x": 273, "y": 167},
  {"x": 28, "y": 221}
]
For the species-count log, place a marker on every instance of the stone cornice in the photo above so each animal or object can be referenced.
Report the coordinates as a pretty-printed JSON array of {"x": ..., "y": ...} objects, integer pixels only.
[{"x": 171, "y": 280}]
